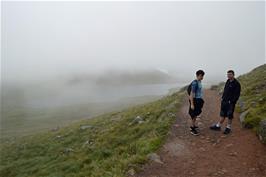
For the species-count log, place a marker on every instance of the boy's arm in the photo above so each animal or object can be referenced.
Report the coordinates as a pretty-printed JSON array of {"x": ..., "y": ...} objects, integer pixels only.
[{"x": 192, "y": 94}]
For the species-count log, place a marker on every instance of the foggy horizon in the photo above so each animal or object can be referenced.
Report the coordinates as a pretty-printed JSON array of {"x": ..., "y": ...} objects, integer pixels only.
[{"x": 47, "y": 40}]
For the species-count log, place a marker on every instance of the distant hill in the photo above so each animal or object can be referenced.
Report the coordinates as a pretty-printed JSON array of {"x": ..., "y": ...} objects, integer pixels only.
[{"x": 122, "y": 77}]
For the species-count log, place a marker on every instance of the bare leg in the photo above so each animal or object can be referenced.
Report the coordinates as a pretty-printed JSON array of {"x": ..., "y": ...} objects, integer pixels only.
[
  {"x": 193, "y": 122},
  {"x": 222, "y": 119},
  {"x": 229, "y": 123}
]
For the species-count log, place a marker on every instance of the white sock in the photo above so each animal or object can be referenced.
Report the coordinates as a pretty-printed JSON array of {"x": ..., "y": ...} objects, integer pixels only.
[
  {"x": 218, "y": 124},
  {"x": 228, "y": 126}
]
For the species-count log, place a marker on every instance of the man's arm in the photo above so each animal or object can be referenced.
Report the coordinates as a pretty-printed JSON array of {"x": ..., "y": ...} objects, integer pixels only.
[
  {"x": 236, "y": 93},
  {"x": 224, "y": 90}
]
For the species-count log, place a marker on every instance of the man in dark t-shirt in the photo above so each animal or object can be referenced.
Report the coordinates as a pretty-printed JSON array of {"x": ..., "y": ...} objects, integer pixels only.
[{"x": 230, "y": 96}]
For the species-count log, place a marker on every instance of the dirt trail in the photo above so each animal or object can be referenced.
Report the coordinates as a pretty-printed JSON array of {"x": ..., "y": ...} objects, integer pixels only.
[{"x": 239, "y": 154}]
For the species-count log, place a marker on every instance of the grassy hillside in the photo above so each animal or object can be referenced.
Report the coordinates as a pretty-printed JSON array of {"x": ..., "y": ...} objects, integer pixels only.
[
  {"x": 18, "y": 120},
  {"x": 253, "y": 95},
  {"x": 107, "y": 145}
]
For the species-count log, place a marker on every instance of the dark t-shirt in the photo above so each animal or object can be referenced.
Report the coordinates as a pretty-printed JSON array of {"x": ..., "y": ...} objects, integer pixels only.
[{"x": 232, "y": 91}]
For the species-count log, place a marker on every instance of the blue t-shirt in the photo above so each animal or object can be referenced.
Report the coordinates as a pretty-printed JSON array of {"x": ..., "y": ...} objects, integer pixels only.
[{"x": 196, "y": 88}]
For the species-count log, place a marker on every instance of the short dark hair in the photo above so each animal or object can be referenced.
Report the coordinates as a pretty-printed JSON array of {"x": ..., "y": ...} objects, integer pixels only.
[
  {"x": 200, "y": 72},
  {"x": 231, "y": 71}
]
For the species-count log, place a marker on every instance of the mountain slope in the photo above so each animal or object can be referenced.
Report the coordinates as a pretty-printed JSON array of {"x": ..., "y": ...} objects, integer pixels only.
[
  {"x": 253, "y": 96},
  {"x": 107, "y": 145},
  {"x": 117, "y": 143},
  {"x": 124, "y": 77}
]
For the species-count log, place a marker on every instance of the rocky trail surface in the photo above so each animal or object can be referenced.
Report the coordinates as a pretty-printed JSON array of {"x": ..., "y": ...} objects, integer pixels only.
[{"x": 239, "y": 154}]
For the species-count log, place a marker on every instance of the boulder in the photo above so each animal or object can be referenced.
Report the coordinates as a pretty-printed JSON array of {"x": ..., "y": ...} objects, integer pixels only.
[
  {"x": 242, "y": 118},
  {"x": 261, "y": 100},
  {"x": 171, "y": 115},
  {"x": 253, "y": 104},
  {"x": 55, "y": 129},
  {"x": 262, "y": 131},
  {"x": 241, "y": 105},
  {"x": 137, "y": 120},
  {"x": 84, "y": 127},
  {"x": 88, "y": 143},
  {"x": 58, "y": 137},
  {"x": 131, "y": 172},
  {"x": 233, "y": 154},
  {"x": 155, "y": 157},
  {"x": 68, "y": 150}
]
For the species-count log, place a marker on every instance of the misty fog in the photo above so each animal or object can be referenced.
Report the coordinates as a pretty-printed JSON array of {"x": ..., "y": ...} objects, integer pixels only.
[{"x": 64, "y": 61}]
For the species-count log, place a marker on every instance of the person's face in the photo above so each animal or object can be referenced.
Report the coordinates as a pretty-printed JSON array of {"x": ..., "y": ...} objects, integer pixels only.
[
  {"x": 230, "y": 76},
  {"x": 200, "y": 77}
]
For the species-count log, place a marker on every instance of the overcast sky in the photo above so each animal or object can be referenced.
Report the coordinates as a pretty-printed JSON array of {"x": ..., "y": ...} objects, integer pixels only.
[{"x": 49, "y": 39}]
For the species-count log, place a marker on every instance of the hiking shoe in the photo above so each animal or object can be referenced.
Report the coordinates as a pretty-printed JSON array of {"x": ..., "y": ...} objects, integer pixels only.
[
  {"x": 227, "y": 131},
  {"x": 193, "y": 131},
  {"x": 215, "y": 127},
  {"x": 196, "y": 127}
]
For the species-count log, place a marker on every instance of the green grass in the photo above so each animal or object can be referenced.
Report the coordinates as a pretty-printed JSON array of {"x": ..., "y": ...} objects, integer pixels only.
[
  {"x": 110, "y": 148},
  {"x": 18, "y": 120},
  {"x": 253, "y": 95}
]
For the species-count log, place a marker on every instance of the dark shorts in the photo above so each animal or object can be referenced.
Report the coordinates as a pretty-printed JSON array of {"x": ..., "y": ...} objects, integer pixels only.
[
  {"x": 198, "y": 105},
  {"x": 227, "y": 109}
]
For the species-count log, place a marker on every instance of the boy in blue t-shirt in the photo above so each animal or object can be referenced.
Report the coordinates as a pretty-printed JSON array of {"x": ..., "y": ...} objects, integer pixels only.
[{"x": 195, "y": 101}]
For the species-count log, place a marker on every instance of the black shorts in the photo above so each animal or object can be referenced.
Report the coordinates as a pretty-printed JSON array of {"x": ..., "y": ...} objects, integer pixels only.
[
  {"x": 198, "y": 105},
  {"x": 227, "y": 109}
]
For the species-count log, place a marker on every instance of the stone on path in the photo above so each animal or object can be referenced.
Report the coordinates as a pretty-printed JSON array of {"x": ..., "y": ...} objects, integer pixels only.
[
  {"x": 155, "y": 157},
  {"x": 262, "y": 131}
]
